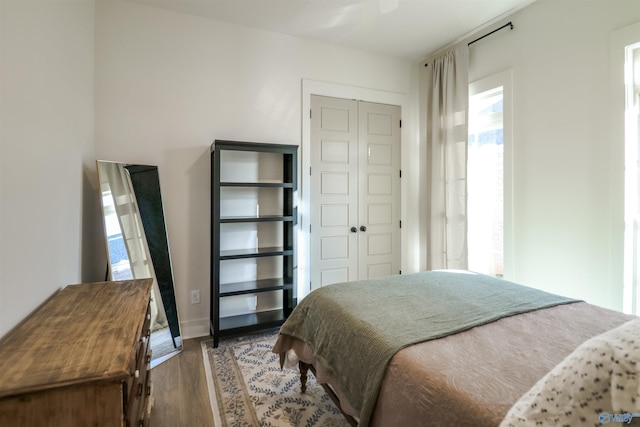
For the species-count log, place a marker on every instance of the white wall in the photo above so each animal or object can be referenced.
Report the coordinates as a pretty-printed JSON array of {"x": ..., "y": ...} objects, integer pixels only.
[
  {"x": 46, "y": 138},
  {"x": 168, "y": 84},
  {"x": 568, "y": 170}
]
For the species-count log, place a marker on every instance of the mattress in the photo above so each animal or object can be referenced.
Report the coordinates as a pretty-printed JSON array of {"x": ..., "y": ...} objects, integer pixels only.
[{"x": 471, "y": 378}]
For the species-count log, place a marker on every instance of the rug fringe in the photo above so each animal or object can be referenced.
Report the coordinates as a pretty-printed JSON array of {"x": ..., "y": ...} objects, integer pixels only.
[{"x": 217, "y": 420}]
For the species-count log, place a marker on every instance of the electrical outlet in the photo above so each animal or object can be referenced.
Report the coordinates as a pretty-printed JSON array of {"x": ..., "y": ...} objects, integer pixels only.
[{"x": 195, "y": 297}]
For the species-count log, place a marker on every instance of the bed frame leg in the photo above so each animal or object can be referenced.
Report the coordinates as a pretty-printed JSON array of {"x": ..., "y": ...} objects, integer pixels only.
[{"x": 304, "y": 368}]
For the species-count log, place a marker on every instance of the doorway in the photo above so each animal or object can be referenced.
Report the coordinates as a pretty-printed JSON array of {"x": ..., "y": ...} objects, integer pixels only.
[{"x": 354, "y": 224}]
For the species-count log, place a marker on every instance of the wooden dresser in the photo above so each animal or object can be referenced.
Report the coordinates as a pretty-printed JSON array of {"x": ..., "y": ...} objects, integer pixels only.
[{"x": 81, "y": 359}]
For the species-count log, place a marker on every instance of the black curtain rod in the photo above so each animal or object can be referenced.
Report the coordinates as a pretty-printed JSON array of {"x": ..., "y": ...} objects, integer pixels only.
[{"x": 508, "y": 24}]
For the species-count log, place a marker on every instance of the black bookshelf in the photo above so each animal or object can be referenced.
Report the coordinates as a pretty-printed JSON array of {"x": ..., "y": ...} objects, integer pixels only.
[{"x": 284, "y": 254}]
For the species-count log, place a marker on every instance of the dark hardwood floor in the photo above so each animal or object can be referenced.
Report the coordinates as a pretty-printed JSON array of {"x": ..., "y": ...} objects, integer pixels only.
[{"x": 180, "y": 393}]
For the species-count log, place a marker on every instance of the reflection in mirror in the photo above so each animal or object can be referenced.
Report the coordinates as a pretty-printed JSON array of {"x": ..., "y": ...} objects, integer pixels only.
[{"x": 138, "y": 247}]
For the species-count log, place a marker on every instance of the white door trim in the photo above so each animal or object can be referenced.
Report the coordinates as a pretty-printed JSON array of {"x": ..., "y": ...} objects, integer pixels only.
[
  {"x": 623, "y": 268},
  {"x": 314, "y": 87}
]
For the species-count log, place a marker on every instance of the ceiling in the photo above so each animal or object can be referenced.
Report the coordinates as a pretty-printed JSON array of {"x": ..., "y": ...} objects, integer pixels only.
[{"x": 408, "y": 29}]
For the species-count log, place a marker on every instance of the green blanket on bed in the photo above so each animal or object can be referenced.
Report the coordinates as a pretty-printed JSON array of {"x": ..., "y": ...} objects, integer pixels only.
[{"x": 370, "y": 320}]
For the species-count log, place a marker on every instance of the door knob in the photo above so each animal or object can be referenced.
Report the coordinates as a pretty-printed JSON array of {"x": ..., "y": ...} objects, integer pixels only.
[
  {"x": 363, "y": 228},
  {"x": 354, "y": 230}
]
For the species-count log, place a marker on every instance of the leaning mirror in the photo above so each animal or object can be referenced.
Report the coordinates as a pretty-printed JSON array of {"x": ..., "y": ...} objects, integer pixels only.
[{"x": 138, "y": 246}]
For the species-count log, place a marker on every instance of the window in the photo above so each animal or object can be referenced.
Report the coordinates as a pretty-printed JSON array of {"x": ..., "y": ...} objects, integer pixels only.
[{"x": 487, "y": 161}]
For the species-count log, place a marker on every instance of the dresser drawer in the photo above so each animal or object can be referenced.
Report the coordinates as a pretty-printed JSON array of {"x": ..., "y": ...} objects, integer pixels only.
[
  {"x": 139, "y": 385},
  {"x": 137, "y": 405},
  {"x": 74, "y": 406},
  {"x": 145, "y": 334}
]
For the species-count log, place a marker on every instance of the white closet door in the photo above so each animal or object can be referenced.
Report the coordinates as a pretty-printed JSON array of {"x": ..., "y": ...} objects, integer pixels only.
[
  {"x": 334, "y": 190},
  {"x": 379, "y": 190},
  {"x": 355, "y": 190}
]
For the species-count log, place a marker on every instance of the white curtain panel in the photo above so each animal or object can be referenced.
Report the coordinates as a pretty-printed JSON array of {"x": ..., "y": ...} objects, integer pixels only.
[{"x": 447, "y": 134}]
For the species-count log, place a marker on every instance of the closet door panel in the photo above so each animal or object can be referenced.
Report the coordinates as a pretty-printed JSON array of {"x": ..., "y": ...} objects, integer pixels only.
[
  {"x": 379, "y": 190},
  {"x": 334, "y": 168}
]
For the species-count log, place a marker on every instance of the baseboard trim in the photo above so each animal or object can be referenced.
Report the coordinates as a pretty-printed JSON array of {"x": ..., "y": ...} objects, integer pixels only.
[{"x": 195, "y": 328}]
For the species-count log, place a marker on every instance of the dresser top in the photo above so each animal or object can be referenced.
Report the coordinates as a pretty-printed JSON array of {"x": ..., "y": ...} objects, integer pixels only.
[{"x": 83, "y": 333}]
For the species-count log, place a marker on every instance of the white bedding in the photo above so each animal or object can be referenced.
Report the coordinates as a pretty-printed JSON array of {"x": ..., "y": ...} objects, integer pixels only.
[{"x": 597, "y": 384}]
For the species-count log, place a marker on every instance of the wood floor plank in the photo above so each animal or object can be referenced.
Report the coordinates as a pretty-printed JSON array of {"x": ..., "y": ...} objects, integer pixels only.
[{"x": 181, "y": 395}]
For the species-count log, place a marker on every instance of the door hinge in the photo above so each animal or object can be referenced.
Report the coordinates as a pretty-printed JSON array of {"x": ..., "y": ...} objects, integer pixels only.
[
  {"x": 309, "y": 228},
  {"x": 400, "y": 272},
  {"x": 310, "y": 114},
  {"x": 309, "y": 170},
  {"x": 400, "y": 122},
  {"x": 400, "y": 173},
  {"x": 400, "y": 223}
]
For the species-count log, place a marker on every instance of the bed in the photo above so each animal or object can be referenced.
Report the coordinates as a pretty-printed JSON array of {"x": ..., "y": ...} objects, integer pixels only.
[{"x": 447, "y": 348}]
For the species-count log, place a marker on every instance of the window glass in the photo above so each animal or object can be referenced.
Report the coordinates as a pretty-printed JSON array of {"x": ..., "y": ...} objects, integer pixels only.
[{"x": 485, "y": 182}]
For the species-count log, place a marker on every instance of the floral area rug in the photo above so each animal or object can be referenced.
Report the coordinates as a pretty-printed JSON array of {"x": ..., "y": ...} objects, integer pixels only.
[{"x": 248, "y": 388}]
